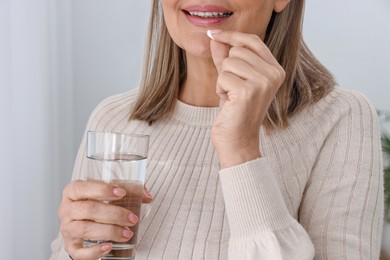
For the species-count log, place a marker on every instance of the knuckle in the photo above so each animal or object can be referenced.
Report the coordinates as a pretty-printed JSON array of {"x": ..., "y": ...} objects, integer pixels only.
[
  {"x": 78, "y": 229},
  {"x": 282, "y": 73},
  {"x": 73, "y": 230},
  {"x": 64, "y": 210},
  {"x": 87, "y": 206},
  {"x": 249, "y": 92},
  {"x": 221, "y": 79},
  {"x": 234, "y": 51},
  {"x": 274, "y": 78},
  {"x": 278, "y": 76},
  {"x": 269, "y": 84},
  {"x": 67, "y": 230},
  {"x": 255, "y": 38},
  {"x": 70, "y": 187},
  {"x": 81, "y": 228},
  {"x": 226, "y": 64},
  {"x": 64, "y": 231},
  {"x": 78, "y": 186},
  {"x": 77, "y": 182},
  {"x": 61, "y": 211},
  {"x": 67, "y": 189}
]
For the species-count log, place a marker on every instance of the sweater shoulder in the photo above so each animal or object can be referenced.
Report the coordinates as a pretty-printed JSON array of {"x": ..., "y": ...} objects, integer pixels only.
[
  {"x": 349, "y": 101},
  {"x": 339, "y": 104},
  {"x": 339, "y": 109},
  {"x": 113, "y": 108}
]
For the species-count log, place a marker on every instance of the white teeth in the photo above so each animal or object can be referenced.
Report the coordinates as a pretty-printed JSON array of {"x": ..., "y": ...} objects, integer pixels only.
[{"x": 210, "y": 14}]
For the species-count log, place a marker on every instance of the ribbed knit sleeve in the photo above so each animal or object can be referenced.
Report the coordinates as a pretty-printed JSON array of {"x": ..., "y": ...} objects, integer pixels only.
[
  {"x": 342, "y": 206},
  {"x": 260, "y": 224}
]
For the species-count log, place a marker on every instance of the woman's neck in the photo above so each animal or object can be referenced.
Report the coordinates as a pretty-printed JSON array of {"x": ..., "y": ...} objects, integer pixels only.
[{"x": 199, "y": 88}]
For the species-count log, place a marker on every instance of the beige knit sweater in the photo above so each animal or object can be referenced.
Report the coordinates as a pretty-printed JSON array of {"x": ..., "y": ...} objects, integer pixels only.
[{"x": 319, "y": 183}]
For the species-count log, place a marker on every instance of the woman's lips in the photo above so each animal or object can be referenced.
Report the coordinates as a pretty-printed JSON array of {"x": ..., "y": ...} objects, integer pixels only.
[{"x": 206, "y": 15}]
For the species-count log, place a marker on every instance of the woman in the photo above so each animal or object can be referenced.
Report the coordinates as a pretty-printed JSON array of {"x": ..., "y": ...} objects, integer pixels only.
[{"x": 254, "y": 153}]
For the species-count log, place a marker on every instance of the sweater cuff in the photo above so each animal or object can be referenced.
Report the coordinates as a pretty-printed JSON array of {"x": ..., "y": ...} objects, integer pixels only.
[{"x": 253, "y": 200}]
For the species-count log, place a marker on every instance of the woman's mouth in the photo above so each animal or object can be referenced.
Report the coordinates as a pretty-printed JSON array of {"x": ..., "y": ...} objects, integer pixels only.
[
  {"x": 210, "y": 14},
  {"x": 206, "y": 16}
]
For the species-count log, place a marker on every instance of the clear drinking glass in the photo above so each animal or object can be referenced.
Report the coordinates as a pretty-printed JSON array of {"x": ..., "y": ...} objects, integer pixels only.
[{"x": 121, "y": 159}]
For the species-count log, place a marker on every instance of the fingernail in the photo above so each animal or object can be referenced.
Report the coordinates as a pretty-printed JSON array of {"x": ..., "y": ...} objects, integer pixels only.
[
  {"x": 119, "y": 192},
  {"x": 210, "y": 33},
  {"x": 133, "y": 218},
  {"x": 147, "y": 194},
  {"x": 127, "y": 233},
  {"x": 106, "y": 247}
]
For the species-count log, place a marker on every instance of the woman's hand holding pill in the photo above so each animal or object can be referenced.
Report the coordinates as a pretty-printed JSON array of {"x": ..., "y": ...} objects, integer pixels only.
[{"x": 249, "y": 77}]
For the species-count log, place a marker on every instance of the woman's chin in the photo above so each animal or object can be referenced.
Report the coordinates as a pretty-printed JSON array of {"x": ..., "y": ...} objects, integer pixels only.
[
  {"x": 198, "y": 47},
  {"x": 201, "y": 53}
]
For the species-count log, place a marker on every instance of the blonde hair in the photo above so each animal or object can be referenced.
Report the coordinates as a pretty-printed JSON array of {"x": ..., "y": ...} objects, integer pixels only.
[{"x": 307, "y": 80}]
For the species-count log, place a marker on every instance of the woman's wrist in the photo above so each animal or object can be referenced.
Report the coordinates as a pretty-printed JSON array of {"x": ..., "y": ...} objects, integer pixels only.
[{"x": 231, "y": 158}]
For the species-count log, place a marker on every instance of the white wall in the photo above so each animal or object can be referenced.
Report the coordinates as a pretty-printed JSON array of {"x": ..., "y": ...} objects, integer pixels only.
[
  {"x": 6, "y": 199},
  {"x": 108, "y": 39},
  {"x": 352, "y": 38},
  {"x": 29, "y": 150}
]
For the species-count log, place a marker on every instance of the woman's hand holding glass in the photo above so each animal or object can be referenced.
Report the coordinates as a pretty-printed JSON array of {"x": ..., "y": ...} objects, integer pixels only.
[
  {"x": 249, "y": 77},
  {"x": 85, "y": 216}
]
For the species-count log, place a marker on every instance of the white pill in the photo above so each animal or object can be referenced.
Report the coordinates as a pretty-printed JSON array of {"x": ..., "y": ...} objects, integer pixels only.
[{"x": 210, "y": 35}]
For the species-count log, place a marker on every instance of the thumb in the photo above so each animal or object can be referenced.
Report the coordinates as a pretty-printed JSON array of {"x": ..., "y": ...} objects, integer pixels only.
[{"x": 219, "y": 52}]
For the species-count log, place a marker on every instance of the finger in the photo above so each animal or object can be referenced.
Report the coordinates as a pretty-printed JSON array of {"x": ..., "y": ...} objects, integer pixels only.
[
  {"x": 247, "y": 55},
  {"x": 77, "y": 251},
  {"x": 219, "y": 52},
  {"x": 99, "y": 212},
  {"x": 263, "y": 72},
  {"x": 227, "y": 82},
  {"x": 249, "y": 41},
  {"x": 274, "y": 72},
  {"x": 146, "y": 196},
  {"x": 88, "y": 230},
  {"x": 93, "y": 190},
  {"x": 238, "y": 67}
]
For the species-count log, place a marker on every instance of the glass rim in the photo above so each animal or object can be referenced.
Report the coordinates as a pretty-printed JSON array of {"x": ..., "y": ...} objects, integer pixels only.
[{"x": 117, "y": 133}]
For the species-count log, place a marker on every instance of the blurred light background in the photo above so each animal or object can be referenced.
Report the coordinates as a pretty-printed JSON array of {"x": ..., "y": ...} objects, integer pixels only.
[{"x": 59, "y": 59}]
